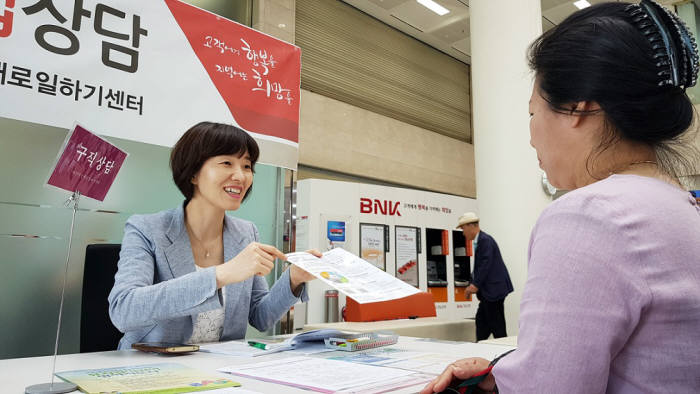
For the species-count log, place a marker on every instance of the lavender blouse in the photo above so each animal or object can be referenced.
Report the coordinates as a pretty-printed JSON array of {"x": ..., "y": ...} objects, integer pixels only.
[{"x": 612, "y": 300}]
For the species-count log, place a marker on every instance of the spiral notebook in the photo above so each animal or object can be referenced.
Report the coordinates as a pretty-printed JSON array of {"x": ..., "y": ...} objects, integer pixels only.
[{"x": 363, "y": 341}]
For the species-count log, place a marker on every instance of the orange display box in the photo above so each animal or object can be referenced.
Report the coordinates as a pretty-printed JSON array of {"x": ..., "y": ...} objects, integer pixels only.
[{"x": 417, "y": 305}]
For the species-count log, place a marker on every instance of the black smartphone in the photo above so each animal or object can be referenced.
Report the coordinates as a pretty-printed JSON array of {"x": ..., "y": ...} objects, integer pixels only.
[{"x": 165, "y": 347}]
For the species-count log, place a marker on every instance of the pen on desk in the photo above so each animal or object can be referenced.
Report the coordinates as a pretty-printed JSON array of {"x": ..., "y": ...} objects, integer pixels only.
[{"x": 257, "y": 345}]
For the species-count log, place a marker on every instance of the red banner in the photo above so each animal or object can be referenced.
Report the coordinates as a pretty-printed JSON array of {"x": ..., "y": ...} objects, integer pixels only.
[{"x": 258, "y": 76}]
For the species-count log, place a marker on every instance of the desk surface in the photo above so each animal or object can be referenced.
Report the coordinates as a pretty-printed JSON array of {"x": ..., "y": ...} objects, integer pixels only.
[
  {"x": 507, "y": 341},
  {"x": 16, "y": 374},
  {"x": 425, "y": 327}
]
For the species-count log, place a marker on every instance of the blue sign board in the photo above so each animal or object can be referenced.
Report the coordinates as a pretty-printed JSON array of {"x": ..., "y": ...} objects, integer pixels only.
[{"x": 336, "y": 231}]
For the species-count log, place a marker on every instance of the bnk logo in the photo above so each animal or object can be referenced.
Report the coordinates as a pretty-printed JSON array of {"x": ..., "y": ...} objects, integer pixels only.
[{"x": 379, "y": 207}]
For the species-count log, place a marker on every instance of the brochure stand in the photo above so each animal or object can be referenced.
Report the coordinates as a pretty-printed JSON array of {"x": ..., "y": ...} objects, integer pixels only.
[{"x": 59, "y": 387}]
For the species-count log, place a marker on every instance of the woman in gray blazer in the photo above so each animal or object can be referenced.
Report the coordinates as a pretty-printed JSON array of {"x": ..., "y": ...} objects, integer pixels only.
[{"x": 194, "y": 274}]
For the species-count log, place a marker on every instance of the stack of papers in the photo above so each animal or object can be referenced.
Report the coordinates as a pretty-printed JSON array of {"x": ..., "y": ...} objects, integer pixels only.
[
  {"x": 329, "y": 376},
  {"x": 307, "y": 342},
  {"x": 429, "y": 363}
]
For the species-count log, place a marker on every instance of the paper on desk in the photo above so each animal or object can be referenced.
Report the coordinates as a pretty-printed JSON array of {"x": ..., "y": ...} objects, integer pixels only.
[
  {"x": 232, "y": 348},
  {"x": 390, "y": 385},
  {"x": 424, "y": 362},
  {"x": 308, "y": 342},
  {"x": 417, "y": 361},
  {"x": 240, "y": 349},
  {"x": 326, "y": 376},
  {"x": 483, "y": 350},
  {"x": 354, "y": 277},
  {"x": 161, "y": 377}
]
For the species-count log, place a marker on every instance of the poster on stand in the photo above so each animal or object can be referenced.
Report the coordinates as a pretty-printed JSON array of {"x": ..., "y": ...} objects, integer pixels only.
[
  {"x": 407, "y": 254},
  {"x": 373, "y": 244}
]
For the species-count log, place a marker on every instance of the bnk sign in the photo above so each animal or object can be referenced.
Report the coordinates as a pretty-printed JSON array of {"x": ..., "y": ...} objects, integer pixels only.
[{"x": 377, "y": 207}]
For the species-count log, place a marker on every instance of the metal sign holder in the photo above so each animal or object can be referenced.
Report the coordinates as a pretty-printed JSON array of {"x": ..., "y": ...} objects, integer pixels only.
[{"x": 59, "y": 387}]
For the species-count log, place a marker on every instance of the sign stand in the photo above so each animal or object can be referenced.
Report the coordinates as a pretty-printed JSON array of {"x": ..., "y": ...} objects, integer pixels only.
[
  {"x": 59, "y": 387},
  {"x": 74, "y": 170}
]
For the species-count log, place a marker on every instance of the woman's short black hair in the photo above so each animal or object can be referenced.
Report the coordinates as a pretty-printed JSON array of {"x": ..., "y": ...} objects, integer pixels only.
[
  {"x": 598, "y": 54},
  {"x": 203, "y": 141}
]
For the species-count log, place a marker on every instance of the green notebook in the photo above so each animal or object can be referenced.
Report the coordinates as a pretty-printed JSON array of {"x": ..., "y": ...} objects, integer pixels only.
[{"x": 150, "y": 378}]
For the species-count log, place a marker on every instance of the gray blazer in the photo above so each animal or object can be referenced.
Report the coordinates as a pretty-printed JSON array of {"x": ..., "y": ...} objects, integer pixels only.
[{"x": 158, "y": 293}]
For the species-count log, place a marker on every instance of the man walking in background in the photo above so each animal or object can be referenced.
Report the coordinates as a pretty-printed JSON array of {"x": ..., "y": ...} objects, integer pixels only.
[{"x": 490, "y": 280}]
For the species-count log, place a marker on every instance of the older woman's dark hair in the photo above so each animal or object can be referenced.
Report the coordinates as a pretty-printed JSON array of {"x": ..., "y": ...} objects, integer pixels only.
[
  {"x": 598, "y": 54},
  {"x": 203, "y": 141}
]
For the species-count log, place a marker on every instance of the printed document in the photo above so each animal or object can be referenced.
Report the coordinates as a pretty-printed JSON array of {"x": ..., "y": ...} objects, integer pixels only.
[
  {"x": 418, "y": 361},
  {"x": 351, "y": 275},
  {"x": 327, "y": 376}
]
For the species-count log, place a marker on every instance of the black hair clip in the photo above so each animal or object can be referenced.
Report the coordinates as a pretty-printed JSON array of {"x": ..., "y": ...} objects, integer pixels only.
[
  {"x": 675, "y": 52},
  {"x": 690, "y": 51}
]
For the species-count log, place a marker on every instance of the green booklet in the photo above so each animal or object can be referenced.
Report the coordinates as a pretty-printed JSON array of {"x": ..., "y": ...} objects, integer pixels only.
[{"x": 150, "y": 378}]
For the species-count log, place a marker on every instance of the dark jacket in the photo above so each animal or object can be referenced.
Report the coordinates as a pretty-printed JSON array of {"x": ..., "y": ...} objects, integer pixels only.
[{"x": 490, "y": 272}]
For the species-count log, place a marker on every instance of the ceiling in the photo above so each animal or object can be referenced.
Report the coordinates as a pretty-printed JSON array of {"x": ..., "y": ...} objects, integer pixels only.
[{"x": 448, "y": 33}]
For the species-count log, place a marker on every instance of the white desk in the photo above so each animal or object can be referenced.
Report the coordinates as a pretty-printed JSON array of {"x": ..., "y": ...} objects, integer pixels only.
[
  {"x": 16, "y": 374},
  {"x": 463, "y": 330},
  {"x": 506, "y": 341}
]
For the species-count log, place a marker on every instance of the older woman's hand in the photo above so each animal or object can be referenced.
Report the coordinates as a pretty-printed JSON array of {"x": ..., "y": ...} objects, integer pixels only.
[{"x": 461, "y": 369}]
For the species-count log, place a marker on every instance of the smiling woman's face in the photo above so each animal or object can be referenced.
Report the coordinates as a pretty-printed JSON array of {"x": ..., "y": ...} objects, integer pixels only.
[{"x": 224, "y": 180}]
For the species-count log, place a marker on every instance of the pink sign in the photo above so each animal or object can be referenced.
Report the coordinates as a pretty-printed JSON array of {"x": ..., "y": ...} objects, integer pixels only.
[{"x": 88, "y": 164}]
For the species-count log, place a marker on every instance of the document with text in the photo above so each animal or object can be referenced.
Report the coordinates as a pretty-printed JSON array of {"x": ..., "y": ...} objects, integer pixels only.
[
  {"x": 354, "y": 277},
  {"x": 328, "y": 376}
]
